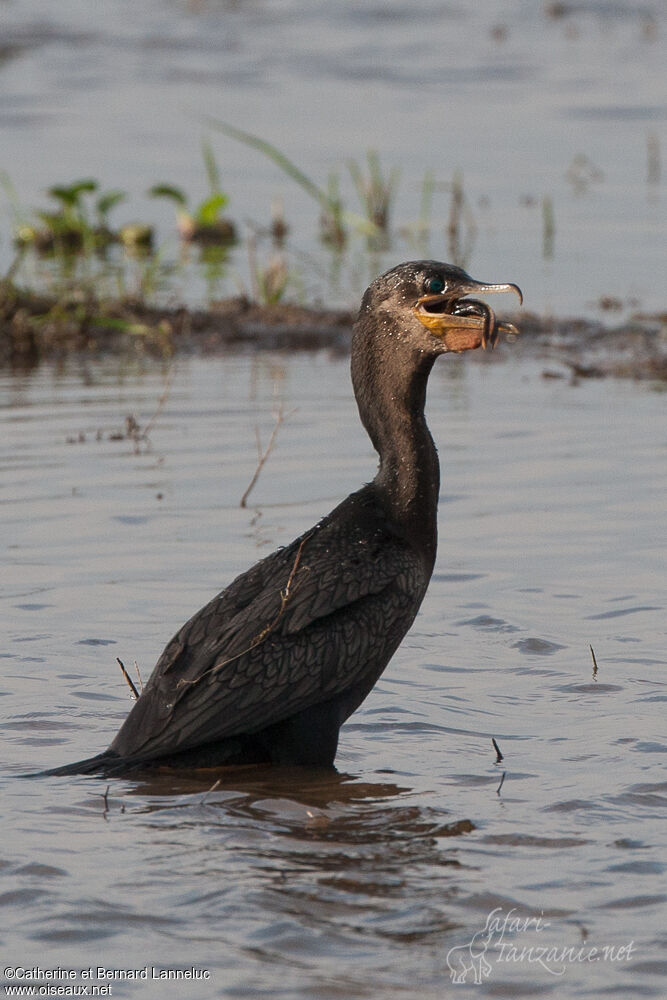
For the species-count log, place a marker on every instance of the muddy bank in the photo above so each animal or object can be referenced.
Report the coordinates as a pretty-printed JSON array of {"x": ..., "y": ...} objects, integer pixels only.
[
  {"x": 633, "y": 348},
  {"x": 35, "y": 328}
]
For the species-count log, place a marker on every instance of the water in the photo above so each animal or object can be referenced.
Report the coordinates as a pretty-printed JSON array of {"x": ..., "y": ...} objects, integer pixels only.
[
  {"x": 356, "y": 884},
  {"x": 531, "y": 105}
]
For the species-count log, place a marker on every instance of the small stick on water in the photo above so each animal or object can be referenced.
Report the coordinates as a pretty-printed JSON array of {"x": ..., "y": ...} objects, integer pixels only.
[
  {"x": 501, "y": 783},
  {"x": 131, "y": 684},
  {"x": 595, "y": 663},
  {"x": 133, "y": 429},
  {"x": 216, "y": 784},
  {"x": 160, "y": 403},
  {"x": 141, "y": 683},
  {"x": 105, "y": 799},
  {"x": 280, "y": 418},
  {"x": 499, "y": 756}
]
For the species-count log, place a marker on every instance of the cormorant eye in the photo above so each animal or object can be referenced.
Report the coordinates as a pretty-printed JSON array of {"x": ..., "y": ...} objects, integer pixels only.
[{"x": 435, "y": 285}]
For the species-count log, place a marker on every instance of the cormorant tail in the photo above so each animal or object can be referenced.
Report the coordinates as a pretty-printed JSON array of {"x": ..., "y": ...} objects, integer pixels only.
[{"x": 102, "y": 764}]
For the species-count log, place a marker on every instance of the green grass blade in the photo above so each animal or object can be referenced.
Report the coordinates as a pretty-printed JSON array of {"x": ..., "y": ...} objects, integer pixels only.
[
  {"x": 273, "y": 153},
  {"x": 107, "y": 201},
  {"x": 176, "y": 194},
  {"x": 212, "y": 169},
  {"x": 70, "y": 194}
]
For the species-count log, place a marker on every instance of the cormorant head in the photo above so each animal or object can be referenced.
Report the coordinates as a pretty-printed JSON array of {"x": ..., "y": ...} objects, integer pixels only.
[{"x": 430, "y": 304}]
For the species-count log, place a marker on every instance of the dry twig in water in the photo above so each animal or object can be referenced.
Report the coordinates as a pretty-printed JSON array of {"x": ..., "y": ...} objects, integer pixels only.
[
  {"x": 280, "y": 418},
  {"x": 216, "y": 784},
  {"x": 133, "y": 429},
  {"x": 160, "y": 403},
  {"x": 595, "y": 664},
  {"x": 141, "y": 683},
  {"x": 130, "y": 682}
]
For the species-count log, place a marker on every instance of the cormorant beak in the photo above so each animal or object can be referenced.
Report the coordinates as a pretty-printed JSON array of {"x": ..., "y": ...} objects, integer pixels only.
[{"x": 462, "y": 323}]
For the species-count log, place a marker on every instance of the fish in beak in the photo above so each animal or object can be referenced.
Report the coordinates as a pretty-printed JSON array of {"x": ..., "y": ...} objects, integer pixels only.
[{"x": 463, "y": 323}]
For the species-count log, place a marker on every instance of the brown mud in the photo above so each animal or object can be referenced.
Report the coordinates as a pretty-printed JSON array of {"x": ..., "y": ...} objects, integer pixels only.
[{"x": 35, "y": 328}]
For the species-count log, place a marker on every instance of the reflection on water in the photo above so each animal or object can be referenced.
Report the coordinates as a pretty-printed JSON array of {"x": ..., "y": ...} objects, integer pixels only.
[{"x": 374, "y": 880}]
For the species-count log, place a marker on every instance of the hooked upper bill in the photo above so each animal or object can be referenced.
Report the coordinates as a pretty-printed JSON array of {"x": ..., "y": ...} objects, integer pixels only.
[{"x": 463, "y": 323}]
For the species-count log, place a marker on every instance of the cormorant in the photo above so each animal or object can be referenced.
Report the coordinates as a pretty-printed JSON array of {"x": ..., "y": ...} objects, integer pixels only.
[{"x": 270, "y": 669}]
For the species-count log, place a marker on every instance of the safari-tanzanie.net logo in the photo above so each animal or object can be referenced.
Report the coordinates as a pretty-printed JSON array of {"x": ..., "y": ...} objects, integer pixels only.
[{"x": 508, "y": 938}]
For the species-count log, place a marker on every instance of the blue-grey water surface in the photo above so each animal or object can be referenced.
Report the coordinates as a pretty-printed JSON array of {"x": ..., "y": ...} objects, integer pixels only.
[{"x": 360, "y": 884}]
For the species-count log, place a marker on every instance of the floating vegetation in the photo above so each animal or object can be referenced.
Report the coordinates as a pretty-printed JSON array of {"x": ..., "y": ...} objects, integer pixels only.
[
  {"x": 78, "y": 238},
  {"x": 73, "y": 227},
  {"x": 205, "y": 223},
  {"x": 136, "y": 236},
  {"x": 79, "y": 282}
]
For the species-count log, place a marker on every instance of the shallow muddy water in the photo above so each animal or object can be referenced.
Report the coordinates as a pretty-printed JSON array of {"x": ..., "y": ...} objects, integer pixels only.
[
  {"x": 553, "y": 115},
  {"x": 549, "y": 866}
]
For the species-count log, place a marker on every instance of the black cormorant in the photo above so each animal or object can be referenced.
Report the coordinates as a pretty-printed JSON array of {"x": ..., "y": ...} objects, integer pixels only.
[{"x": 270, "y": 669}]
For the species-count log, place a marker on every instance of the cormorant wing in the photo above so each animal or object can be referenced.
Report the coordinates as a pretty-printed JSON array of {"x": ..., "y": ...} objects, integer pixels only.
[{"x": 303, "y": 625}]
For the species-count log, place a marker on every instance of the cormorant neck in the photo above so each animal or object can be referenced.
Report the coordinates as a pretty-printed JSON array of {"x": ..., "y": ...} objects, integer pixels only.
[{"x": 390, "y": 379}]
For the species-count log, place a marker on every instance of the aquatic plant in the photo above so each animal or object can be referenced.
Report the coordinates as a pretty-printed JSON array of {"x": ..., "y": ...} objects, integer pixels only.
[
  {"x": 461, "y": 226},
  {"x": 76, "y": 318},
  {"x": 417, "y": 234},
  {"x": 426, "y": 205},
  {"x": 335, "y": 219},
  {"x": 69, "y": 227},
  {"x": 204, "y": 223},
  {"x": 74, "y": 226},
  {"x": 548, "y": 227},
  {"x": 269, "y": 282},
  {"x": 279, "y": 228},
  {"x": 136, "y": 237},
  {"x": 582, "y": 173},
  {"x": 376, "y": 192},
  {"x": 103, "y": 206}
]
